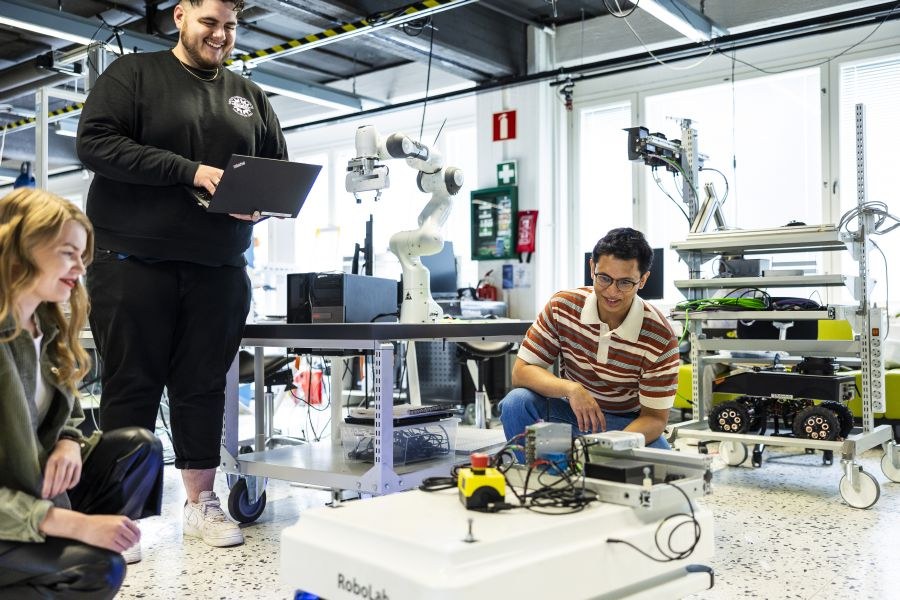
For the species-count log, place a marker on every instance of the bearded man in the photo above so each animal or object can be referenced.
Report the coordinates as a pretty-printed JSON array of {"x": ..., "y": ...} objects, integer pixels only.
[{"x": 168, "y": 287}]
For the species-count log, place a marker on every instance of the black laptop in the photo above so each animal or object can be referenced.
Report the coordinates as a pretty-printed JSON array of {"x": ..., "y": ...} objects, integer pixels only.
[{"x": 274, "y": 188}]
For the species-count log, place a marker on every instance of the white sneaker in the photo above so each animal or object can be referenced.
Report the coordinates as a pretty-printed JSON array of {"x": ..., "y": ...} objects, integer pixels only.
[
  {"x": 207, "y": 520},
  {"x": 133, "y": 554}
]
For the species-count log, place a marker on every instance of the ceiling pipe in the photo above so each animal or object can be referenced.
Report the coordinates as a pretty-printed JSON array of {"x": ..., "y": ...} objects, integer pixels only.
[
  {"x": 22, "y": 74},
  {"x": 19, "y": 146},
  {"x": 30, "y": 88},
  {"x": 27, "y": 77}
]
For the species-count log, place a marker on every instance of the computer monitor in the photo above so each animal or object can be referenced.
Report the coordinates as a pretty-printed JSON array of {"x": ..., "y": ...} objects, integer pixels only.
[
  {"x": 653, "y": 289},
  {"x": 442, "y": 267}
]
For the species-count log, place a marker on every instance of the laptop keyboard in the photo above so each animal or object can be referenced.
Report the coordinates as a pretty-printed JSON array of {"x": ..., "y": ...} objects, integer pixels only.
[{"x": 201, "y": 195}]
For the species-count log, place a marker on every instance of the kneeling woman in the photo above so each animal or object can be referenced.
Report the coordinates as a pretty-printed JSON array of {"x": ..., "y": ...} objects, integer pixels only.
[{"x": 66, "y": 501}]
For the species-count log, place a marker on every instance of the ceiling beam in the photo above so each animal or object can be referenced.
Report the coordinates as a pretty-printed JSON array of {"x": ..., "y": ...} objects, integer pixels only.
[
  {"x": 22, "y": 15},
  {"x": 471, "y": 43}
]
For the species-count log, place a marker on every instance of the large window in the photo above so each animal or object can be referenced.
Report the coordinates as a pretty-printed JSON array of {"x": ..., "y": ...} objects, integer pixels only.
[
  {"x": 876, "y": 85},
  {"x": 763, "y": 134},
  {"x": 605, "y": 196}
]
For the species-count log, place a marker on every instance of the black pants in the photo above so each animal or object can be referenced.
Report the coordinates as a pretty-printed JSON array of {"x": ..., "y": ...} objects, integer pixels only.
[
  {"x": 123, "y": 475},
  {"x": 167, "y": 324}
]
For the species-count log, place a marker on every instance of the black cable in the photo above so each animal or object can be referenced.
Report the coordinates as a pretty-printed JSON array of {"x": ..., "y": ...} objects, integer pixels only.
[
  {"x": 415, "y": 28},
  {"x": 427, "y": 81},
  {"x": 668, "y": 195},
  {"x": 669, "y": 553},
  {"x": 396, "y": 313},
  {"x": 621, "y": 14}
]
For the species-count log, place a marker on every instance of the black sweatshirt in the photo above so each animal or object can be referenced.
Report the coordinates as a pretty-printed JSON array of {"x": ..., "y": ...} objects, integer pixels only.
[{"x": 145, "y": 128}]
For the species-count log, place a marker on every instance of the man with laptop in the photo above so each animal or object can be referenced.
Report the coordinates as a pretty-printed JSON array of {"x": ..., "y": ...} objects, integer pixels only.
[{"x": 168, "y": 286}]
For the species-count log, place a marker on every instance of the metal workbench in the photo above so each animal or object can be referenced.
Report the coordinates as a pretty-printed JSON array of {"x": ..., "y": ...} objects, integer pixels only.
[{"x": 322, "y": 464}]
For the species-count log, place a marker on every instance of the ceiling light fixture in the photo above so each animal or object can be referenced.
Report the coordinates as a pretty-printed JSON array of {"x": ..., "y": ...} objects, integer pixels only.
[{"x": 683, "y": 18}]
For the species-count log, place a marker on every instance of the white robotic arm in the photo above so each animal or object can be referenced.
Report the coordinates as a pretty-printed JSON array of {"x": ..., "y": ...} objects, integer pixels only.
[{"x": 366, "y": 173}]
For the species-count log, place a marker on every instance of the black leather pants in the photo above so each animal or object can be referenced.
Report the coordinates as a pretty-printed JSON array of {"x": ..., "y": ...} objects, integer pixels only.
[{"x": 123, "y": 475}]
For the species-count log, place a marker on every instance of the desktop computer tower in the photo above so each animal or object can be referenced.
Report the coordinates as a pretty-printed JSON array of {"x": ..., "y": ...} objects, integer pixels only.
[
  {"x": 299, "y": 288},
  {"x": 340, "y": 298},
  {"x": 345, "y": 298}
]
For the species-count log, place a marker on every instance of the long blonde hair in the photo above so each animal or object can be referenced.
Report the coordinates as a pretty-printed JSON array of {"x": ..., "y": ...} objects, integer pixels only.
[{"x": 30, "y": 218}]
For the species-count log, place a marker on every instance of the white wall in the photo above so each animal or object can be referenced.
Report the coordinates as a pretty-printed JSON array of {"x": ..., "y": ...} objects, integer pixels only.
[{"x": 540, "y": 163}]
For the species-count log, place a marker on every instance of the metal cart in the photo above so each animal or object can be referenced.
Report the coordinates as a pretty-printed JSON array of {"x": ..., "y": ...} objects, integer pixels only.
[
  {"x": 858, "y": 488},
  {"x": 322, "y": 464}
]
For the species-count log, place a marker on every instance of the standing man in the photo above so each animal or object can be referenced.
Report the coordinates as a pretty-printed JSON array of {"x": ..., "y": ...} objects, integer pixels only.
[
  {"x": 618, "y": 354},
  {"x": 168, "y": 287}
]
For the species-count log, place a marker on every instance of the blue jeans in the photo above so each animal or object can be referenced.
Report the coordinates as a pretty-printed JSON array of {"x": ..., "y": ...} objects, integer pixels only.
[{"x": 522, "y": 407}]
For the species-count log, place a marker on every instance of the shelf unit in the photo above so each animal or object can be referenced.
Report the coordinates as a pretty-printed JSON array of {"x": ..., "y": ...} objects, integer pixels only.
[
  {"x": 858, "y": 488},
  {"x": 323, "y": 464}
]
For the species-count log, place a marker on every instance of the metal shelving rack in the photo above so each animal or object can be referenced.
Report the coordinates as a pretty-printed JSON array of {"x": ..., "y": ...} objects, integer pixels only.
[
  {"x": 324, "y": 464},
  {"x": 857, "y": 487}
]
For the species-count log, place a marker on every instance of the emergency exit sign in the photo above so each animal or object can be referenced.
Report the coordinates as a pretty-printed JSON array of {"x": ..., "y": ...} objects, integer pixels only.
[
  {"x": 505, "y": 126},
  {"x": 506, "y": 173}
]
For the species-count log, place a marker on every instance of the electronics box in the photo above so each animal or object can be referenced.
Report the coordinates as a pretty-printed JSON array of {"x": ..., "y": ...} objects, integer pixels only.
[
  {"x": 345, "y": 298},
  {"x": 299, "y": 287},
  {"x": 412, "y": 443},
  {"x": 742, "y": 267}
]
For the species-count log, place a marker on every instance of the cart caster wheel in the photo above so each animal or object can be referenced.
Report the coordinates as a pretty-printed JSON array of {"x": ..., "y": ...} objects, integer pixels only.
[
  {"x": 810, "y": 450},
  {"x": 888, "y": 468},
  {"x": 756, "y": 461},
  {"x": 827, "y": 457},
  {"x": 239, "y": 503},
  {"x": 865, "y": 496},
  {"x": 245, "y": 449},
  {"x": 732, "y": 452}
]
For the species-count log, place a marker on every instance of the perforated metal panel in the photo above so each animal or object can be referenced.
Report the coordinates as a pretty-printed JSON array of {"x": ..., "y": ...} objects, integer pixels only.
[
  {"x": 443, "y": 376},
  {"x": 440, "y": 375}
]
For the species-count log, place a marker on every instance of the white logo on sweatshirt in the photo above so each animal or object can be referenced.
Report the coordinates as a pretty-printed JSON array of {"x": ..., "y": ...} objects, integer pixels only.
[{"x": 241, "y": 106}]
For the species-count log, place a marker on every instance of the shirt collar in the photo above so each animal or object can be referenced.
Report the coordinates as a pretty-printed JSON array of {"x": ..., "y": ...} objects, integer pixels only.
[
  {"x": 630, "y": 329},
  {"x": 46, "y": 327}
]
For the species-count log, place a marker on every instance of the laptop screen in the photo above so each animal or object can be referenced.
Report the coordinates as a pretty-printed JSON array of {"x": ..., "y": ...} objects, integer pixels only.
[{"x": 275, "y": 188}]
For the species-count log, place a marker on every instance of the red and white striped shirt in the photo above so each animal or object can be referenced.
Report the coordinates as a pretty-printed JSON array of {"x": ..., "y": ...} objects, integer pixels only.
[{"x": 631, "y": 366}]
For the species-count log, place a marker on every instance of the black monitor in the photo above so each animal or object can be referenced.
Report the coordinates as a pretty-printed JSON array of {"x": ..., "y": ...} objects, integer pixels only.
[
  {"x": 442, "y": 267},
  {"x": 653, "y": 289}
]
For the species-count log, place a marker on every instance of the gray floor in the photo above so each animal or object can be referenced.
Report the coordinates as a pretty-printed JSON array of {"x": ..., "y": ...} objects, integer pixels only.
[{"x": 782, "y": 531}]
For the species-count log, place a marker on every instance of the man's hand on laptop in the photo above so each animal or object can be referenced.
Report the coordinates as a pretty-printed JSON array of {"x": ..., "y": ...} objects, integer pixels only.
[
  {"x": 254, "y": 217},
  {"x": 208, "y": 178}
]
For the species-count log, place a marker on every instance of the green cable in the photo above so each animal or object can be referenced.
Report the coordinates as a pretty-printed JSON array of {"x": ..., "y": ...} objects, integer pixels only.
[{"x": 722, "y": 303}]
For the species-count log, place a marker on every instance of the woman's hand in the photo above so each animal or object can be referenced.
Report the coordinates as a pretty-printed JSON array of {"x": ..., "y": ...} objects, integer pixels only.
[
  {"x": 63, "y": 469},
  {"x": 113, "y": 532}
]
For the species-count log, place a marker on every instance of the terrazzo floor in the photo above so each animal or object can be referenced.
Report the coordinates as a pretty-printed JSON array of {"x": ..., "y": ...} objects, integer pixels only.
[{"x": 782, "y": 532}]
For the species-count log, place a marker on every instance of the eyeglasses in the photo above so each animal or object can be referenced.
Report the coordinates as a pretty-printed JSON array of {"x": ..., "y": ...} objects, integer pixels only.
[{"x": 623, "y": 285}]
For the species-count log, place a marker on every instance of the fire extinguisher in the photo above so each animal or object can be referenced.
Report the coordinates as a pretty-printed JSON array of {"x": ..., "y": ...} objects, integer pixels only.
[
  {"x": 486, "y": 289},
  {"x": 526, "y": 234}
]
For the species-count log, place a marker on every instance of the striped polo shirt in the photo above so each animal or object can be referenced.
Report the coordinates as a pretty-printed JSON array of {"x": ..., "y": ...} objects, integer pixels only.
[{"x": 631, "y": 366}]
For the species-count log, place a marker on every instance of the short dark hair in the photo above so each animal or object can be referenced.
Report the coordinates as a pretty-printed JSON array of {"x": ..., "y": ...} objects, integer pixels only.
[
  {"x": 238, "y": 4},
  {"x": 625, "y": 243}
]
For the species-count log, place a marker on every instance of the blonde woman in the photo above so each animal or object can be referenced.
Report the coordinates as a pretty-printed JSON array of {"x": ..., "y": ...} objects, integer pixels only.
[{"x": 66, "y": 501}]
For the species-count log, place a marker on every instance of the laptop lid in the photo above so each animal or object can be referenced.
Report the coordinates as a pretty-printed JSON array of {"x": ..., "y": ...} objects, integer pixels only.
[{"x": 275, "y": 188}]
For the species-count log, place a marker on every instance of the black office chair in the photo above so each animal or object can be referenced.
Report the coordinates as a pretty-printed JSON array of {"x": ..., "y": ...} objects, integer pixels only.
[{"x": 475, "y": 356}]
